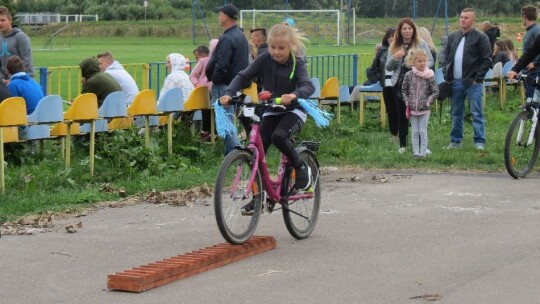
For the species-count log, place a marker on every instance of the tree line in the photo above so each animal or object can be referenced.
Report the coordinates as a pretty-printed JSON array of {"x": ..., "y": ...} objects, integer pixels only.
[{"x": 174, "y": 9}]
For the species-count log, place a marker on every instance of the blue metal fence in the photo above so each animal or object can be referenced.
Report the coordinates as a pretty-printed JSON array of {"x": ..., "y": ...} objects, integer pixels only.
[{"x": 345, "y": 67}]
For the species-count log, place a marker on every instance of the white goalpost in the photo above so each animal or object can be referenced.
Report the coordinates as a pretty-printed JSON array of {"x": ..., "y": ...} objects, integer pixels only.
[{"x": 321, "y": 26}]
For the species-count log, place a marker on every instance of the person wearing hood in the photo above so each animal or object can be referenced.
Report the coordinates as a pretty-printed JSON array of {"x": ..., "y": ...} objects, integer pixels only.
[
  {"x": 198, "y": 78},
  {"x": 108, "y": 65},
  {"x": 94, "y": 81},
  {"x": 177, "y": 77},
  {"x": 14, "y": 42},
  {"x": 22, "y": 85}
]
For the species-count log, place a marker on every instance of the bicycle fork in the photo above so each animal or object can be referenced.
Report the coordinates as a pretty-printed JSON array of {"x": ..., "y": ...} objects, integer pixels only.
[{"x": 533, "y": 128}]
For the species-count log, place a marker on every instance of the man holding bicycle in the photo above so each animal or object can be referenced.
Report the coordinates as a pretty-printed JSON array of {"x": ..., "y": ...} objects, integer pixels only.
[{"x": 528, "y": 17}]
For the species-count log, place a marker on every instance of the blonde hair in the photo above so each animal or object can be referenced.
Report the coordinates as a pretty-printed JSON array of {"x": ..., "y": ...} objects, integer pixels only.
[
  {"x": 426, "y": 36},
  {"x": 412, "y": 55},
  {"x": 296, "y": 38}
]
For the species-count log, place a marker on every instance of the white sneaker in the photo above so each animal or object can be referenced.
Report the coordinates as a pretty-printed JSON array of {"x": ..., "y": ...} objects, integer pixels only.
[
  {"x": 401, "y": 150},
  {"x": 428, "y": 151}
]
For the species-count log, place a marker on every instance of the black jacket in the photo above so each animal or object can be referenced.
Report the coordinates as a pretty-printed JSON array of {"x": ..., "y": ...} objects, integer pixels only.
[
  {"x": 275, "y": 78},
  {"x": 230, "y": 56},
  {"x": 476, "y": 56},
  {"x": 527, "y": 57}
]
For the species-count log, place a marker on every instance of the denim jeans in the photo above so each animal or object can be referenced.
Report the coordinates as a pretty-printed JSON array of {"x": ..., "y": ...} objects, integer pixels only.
[
  {"x": 529, "y": 88},
  {"x": 230, "y": 141},
  {"x": 473, "y": 93}
]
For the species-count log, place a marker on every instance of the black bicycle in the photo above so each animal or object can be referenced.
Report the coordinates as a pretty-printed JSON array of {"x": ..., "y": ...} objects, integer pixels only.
[{"x": 523, "y": 137}]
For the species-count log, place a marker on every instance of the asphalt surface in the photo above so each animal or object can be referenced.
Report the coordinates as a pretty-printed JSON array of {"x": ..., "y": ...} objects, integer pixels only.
[{"x": 382, "y": 237}]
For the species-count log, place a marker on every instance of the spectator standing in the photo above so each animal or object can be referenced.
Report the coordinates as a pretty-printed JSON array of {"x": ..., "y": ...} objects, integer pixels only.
[
  {"x": 379, "y": 64},
  {"x": 198, "y": 78},
  {"x": 419, "y": 91},
  {"x": 468, "y": 55},
  {"x": 14, "y": 42},
  {"x": 405, "y": 40},
  {"x": 426, "y": 36},
  {"x": 108, "y": 65},
  {"x": 95, "y": 81},
  {"x": 532, "y": 69},
  {"x": 21, "y": 84},
  {"x": 230, "y": 57}
]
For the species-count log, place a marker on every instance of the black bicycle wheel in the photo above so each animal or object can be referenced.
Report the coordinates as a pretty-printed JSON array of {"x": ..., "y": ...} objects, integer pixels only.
[
  {"x": 231, "y": 194},
  {"x": 300, "y": 216},
  {"x": 521, "y": 151}
]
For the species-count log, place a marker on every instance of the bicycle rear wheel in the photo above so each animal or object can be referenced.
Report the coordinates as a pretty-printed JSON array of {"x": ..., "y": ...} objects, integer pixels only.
[
  {"x": 519, "y": 156},
  {"x": 301, "y": 215},
  {"x": 230, "y": 195}
]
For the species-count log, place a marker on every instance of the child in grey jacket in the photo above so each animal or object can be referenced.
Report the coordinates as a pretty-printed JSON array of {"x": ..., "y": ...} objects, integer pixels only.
[{"x": 419, "y": 91}]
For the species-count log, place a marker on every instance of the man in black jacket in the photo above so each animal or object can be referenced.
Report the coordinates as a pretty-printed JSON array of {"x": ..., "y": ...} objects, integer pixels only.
[
  {"x": 468, "y": 58},
  {"x": 230, "y": 57}
]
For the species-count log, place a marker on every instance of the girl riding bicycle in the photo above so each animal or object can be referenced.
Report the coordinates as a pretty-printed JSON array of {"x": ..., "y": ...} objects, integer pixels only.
[{"x": 283, "y": 72}]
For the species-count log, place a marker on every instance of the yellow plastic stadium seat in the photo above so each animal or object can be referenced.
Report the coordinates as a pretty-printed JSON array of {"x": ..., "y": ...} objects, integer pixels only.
[
  {"x": 11, "y": 134},
  {"x": 330, "y": 95},
  {"x": 143, "y": 104},
  {"x": 121, "y": 123},
  {"x": 60, "y": 129},
  {"x": 83, "y": 108},
  {"x": 252, "y": 92},
  {"x": 12, "y": 114},
  {"x": 198, "y": 100}
]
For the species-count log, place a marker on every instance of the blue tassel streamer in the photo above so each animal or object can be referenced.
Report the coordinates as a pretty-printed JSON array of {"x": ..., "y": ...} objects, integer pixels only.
[
  {"x": 224, "y": 121},
  {"x": 322, "y": 118}
]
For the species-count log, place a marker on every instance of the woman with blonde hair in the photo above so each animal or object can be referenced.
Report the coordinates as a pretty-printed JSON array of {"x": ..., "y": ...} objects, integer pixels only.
[
  {"x": 426, "y": 36},
  {"x": 406, "y": 39}
]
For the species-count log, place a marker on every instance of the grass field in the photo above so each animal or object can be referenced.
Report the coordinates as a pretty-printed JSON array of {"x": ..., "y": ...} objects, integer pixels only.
[{"x": 144, "y": 50}]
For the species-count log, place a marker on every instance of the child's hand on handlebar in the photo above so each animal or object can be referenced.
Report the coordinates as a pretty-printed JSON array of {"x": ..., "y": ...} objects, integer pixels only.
[
  {"x": 224, "y": 100},
  {"x": 511, "y": 75},
  {"x": 286, "y": 99}
]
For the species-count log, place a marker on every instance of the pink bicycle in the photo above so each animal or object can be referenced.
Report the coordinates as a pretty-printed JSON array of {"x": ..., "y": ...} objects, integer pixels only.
[{"x": 243, "y": 177}]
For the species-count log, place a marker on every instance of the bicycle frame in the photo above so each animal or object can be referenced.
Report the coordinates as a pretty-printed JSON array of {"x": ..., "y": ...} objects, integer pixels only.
[{"x": 272, "y": 187}]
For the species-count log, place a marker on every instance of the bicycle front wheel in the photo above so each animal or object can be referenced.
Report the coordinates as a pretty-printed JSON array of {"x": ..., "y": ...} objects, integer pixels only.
[
  {"x": 231, "y": 193},
  {"x": 301, "y": 215},
  {"x": 521, "y": 147}
]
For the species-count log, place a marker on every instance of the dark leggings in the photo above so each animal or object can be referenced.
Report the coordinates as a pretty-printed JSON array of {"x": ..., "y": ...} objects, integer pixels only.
[
  {"x": 402, "y": 121},
  {"x": 277, "y": 130},
  {"x": 391, "y": 110}
]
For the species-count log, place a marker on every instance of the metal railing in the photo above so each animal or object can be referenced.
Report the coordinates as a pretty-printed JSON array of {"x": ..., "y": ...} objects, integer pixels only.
[{"x": 66, "y": 80}]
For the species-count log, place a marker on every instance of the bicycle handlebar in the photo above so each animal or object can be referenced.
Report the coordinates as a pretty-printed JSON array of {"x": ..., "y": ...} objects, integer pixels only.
[
  {"x": 274, "y": 103},
  {"x": 525, "y": 79}
]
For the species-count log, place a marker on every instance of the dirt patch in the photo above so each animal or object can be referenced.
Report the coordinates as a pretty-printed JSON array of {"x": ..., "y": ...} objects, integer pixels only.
[{"x": 45, "y": 222}]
